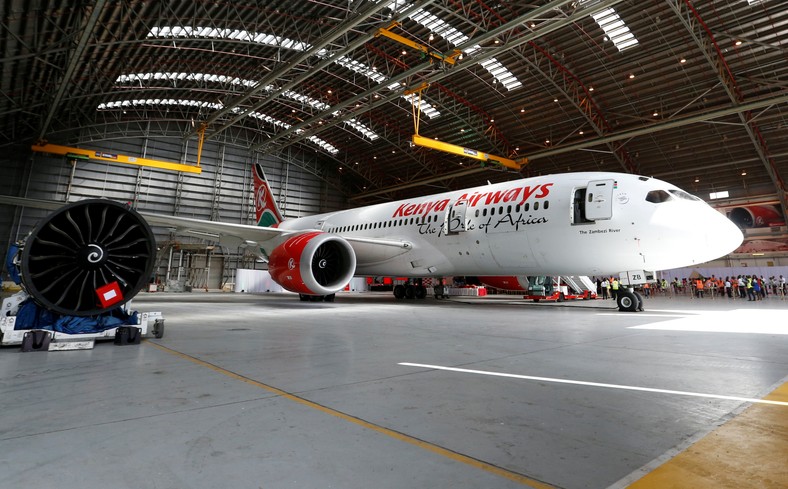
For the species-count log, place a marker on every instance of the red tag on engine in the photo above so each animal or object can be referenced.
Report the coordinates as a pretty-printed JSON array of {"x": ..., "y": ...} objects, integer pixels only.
[{"x": 109, "y": 294}]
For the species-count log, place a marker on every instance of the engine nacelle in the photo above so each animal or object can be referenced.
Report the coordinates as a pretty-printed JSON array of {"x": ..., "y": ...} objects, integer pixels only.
[
  {"x": 313, "y": 263},
  {"x": 87, "y": 258},
  {"x": 756, "y": 216}
]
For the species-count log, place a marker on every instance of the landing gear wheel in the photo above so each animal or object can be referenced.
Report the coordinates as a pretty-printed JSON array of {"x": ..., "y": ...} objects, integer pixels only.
[
  {"x": 158, "y": 328},
  {"x": 640, "y": 301},
  {"x": 410, "y": 292},
  {"x": 399, "y": 291},
  {"x": 303, "y": 297},
  {"x": 561, "y": 297},
  {"x": 627, "y": 301},
  {"x": 421, "y": 292}
]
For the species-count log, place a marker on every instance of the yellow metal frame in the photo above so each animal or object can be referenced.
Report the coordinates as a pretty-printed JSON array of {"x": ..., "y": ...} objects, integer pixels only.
[
  {"x": 468, "y": 152},
  {"x": 446, "y": 58},
  {"x": 116, "y": 158},
  {"x": 453, "y": 148}
]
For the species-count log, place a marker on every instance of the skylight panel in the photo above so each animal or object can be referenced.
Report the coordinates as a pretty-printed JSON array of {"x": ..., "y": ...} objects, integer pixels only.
[
  {"x": 276, "y": 122},
  {"x": 233, "y": 34},
  {"x": 425, "y": 107},
  {"x": 454, "y": 37},
  {"x": 361, "y": 69},
  {"x": 298, "y": 97},
  {"x": 615, "y": 29},
  {"x": 362, "y": 129},
  {"x": 157, "y": 101},
  {"x": 270, "y": 40}
]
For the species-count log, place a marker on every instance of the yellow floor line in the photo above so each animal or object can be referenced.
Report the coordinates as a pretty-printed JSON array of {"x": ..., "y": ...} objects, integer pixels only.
[
  {"x": 750, "y": 450},
  {"x": 458, "y": 457}
]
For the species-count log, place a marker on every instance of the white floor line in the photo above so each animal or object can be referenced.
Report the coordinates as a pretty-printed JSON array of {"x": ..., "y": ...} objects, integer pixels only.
[
  {"x": 643, "y": 314},
  {"x": 595, "y": 384}
]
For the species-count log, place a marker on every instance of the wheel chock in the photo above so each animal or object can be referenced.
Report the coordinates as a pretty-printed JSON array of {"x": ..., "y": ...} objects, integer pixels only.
[
  {"x": 128, "y": 335},
  {"x": 36, "y": 340}
]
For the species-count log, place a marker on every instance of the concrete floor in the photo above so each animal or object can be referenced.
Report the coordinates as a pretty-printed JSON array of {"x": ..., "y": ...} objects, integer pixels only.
[{"x": 265, "y": 391}]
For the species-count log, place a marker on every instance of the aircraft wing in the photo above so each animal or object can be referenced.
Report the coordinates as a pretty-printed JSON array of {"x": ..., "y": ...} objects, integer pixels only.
[
  {"x": 238, "y": 234},
  {"x": 214, "y": 230}
]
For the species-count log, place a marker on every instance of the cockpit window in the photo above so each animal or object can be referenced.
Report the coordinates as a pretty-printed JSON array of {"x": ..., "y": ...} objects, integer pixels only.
[
  {"x": 683, "y": 195},
  {"x": 658, "y": 196}
]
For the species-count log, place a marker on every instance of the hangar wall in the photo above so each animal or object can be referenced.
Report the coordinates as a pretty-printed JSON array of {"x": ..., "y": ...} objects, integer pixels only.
[{"x": 223, "y": 191}]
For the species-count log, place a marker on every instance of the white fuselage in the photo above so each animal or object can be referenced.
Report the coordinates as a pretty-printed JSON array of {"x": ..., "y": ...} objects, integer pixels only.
[{"x": 576, "y": 223}]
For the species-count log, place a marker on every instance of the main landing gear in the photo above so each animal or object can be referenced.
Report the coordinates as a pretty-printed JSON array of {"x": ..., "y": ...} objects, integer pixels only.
[
  {"x": 410, "y": 291},
  {"x": 629, "y": 301},
  {"x": 317, "y": 298}
]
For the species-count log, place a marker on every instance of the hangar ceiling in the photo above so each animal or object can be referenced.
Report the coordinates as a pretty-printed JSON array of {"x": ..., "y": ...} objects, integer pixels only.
[{"x": 692, "y": 92}]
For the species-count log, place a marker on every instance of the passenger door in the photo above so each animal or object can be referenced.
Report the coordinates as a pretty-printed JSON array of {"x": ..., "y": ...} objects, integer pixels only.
[
  {"x": 599, "y": 200},
  {"x": 454, "y": 220}
]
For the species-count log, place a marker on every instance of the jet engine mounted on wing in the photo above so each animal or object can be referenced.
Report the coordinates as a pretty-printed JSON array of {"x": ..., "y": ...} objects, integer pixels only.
[{"x": 313, "y": 263}]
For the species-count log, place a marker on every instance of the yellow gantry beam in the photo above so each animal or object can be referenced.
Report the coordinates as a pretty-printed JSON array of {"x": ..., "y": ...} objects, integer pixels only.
[
  {"x": 386, "y": 32},
  {"x": 468, "y": 153},
  {"x": 89, "y": 154},
  {"x": 453, "y": 148}
]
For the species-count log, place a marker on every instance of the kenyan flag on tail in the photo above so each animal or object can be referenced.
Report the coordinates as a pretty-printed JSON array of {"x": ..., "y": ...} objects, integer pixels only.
[{"x": 266, "y": 212}]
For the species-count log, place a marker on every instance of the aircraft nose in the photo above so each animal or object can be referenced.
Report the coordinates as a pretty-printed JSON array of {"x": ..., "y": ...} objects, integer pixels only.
[{"x": 723, "y": 236}]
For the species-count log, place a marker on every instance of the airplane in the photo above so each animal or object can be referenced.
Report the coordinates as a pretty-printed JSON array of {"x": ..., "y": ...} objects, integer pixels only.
[{"x": 590, "y": 223}]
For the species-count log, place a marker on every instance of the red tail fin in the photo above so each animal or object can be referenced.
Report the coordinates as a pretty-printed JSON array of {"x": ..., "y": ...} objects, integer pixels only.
[{"x": 266, "y": 211}]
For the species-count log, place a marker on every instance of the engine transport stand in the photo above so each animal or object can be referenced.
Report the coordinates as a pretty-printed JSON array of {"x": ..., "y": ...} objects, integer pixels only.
[{"x": 149, "y": 324}]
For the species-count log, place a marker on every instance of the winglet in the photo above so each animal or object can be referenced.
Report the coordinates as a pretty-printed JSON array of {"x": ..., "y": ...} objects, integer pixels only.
[{"x": 266, "y": 211}]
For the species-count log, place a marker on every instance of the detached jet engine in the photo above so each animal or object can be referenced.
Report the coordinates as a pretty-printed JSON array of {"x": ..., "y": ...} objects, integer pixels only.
[{"x": 87, "y": 258}]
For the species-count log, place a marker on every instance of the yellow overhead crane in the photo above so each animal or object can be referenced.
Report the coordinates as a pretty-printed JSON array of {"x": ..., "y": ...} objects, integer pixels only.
[
  {"x": 90, "y": 154},
  {"x": 386, "y": 32},
  {"x": 419, "y": 140},
  {"x": 432, "y": 143}
]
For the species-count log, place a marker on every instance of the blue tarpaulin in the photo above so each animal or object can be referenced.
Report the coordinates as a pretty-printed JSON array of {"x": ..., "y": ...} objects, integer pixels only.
[
  {"x": 9, "y": 264},
  {"x": 33, "y": 316}
]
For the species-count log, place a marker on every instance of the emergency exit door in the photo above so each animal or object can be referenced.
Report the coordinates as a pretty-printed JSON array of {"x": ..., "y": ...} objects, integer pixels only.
[{"x": 599, "y": 200}]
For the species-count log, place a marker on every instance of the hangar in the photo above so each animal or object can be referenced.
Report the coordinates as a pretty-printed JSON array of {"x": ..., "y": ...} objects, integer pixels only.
[{"x": 169, "y": 107}]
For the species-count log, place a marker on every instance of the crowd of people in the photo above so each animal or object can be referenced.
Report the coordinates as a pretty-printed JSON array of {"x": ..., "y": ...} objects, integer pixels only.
[{"x": 750, "y": 287}]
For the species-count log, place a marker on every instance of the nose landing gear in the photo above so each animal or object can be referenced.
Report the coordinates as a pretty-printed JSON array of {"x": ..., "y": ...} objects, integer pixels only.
[{"x": 629, "y": 301}]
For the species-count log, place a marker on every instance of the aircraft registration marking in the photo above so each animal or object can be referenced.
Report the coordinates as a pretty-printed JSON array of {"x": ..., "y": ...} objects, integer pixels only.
[{"x": 595, "y": 384}]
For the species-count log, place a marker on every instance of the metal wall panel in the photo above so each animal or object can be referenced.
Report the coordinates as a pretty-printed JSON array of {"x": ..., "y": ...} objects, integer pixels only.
[{"x": 223, "y": 191}]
